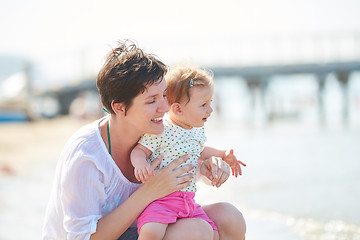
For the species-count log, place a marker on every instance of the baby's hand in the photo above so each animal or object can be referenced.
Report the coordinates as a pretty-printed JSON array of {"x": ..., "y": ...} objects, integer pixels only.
[
  {"x": 234, "y": 164},
  {"x": 143, "y": 172}
]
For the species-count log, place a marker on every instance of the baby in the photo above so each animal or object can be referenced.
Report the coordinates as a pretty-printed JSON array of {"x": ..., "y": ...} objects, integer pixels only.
[{"x": 189, "y": 94}]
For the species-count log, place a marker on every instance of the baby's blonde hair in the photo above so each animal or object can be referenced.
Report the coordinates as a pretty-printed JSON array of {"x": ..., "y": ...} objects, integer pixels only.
[{"x": 180, "y": 79}]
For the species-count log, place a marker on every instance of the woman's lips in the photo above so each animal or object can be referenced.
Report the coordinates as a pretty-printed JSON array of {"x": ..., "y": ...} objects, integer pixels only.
[{"x": 157, "y": 120}]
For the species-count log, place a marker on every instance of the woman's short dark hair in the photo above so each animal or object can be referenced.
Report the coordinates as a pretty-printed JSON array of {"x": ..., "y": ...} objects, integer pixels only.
[{"x": 127, "y": 72}]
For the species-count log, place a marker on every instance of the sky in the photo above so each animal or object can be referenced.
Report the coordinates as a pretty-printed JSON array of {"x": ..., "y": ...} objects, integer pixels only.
[{"x": 202, "y": 31}]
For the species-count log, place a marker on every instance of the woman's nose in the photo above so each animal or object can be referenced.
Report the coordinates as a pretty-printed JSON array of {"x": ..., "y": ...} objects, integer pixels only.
[{"x": 163, "y": 106}]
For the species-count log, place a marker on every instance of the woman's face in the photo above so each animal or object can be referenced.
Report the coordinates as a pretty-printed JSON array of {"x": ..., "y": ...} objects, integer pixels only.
[{"x": 148, "y": 108}]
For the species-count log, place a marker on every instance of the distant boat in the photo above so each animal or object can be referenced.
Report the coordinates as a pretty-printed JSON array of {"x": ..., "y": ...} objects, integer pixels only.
[
  {"x": 20, "y": 99},
  {"x": 14, "y": 89},
  {"x": 31, "y": 90},
  {"x": 11, "y": 116}
]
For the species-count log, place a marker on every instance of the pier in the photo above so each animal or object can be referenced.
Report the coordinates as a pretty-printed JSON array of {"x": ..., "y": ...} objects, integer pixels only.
[
  {"x": 255, "y": 60},
  {"x": 258, "y": 78}
]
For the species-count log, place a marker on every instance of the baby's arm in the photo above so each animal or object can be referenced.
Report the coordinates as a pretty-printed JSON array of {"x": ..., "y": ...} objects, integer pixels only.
[
  {"x": 142, "y": 168},
  {"x": 227, "y": 155}
]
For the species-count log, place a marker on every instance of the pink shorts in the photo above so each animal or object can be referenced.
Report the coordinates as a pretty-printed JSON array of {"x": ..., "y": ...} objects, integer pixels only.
[{"x": 171, "y": 207}]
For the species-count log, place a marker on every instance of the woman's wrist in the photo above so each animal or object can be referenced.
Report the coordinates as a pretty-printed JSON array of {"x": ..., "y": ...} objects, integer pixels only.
[
  {"x": 146, "y": 194},
  {"x": 114, "y": 224}
]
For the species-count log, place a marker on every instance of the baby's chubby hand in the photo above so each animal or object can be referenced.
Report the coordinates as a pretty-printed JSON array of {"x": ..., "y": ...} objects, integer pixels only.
[
  {"x": 143, "y": 172},
  {"x": 234, "y": 163}
]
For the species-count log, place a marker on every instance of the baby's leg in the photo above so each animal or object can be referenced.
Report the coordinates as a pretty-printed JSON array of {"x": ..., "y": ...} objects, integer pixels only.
[
  {"x": 189, "y": 229},
  {"x": 216, "y": 235},
  {"x": 152, "y": 231}
]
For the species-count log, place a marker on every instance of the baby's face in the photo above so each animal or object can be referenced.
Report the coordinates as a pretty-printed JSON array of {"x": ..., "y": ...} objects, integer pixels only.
[{"x": 198, "y": 109}]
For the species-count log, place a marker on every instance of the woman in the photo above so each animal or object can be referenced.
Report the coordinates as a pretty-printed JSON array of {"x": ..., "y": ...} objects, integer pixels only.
[{"x": 95, "y": 193}]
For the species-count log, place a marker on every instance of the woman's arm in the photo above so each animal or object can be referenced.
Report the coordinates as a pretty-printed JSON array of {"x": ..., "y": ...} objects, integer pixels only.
[{"x": 165, "y": 181}]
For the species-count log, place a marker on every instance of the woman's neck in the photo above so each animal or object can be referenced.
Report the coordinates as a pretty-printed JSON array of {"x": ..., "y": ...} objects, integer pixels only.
[
  {"x": 122, "y": 141},
  {"x": 122, "y": 138}
]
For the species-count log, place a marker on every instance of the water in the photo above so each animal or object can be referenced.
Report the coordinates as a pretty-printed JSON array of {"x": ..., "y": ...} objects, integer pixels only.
[
  {"x": 303, "y": 178},
  {"x": 302, "y": 181}
]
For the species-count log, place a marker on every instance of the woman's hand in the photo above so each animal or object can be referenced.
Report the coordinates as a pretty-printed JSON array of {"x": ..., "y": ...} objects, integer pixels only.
[
  {"x": 165, "y": 181},
  {"x": 216, "y": 170},
  {"x": 170, "y": 178}
]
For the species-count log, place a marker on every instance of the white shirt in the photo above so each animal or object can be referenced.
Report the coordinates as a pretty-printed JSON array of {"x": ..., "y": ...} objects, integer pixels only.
[
  {"x": 87, "y": 185},
  {"x": 175, "y": 142}
]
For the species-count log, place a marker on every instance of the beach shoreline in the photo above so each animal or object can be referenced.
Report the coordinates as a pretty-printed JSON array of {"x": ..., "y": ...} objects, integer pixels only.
[
  {"x": 297, "y": 183},
  {"x": 24, "y": 145}
]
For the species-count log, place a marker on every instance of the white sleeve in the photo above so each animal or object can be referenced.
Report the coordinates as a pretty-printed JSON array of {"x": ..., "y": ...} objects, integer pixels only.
[{"x": 82, "y": 196}]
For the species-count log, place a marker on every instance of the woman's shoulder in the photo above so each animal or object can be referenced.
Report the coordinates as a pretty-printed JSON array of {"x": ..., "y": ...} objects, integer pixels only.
[
  {"x": 87, "y": 132},
  {"x": 85, "y": 146},
  {"x": 86, "y": 141}
]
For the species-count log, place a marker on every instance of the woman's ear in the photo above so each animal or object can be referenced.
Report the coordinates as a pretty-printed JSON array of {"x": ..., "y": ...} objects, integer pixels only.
[
  {"x": 176, "y": 108},
  {"x": 118, "y": 108}
]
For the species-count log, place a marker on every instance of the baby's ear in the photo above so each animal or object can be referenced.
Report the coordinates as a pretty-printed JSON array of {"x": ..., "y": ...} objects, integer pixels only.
[{"x": 176, "y": 108}]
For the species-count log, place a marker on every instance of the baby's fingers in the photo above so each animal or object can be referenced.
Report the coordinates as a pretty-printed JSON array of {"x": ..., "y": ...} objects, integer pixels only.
[
  {"x": 150, "y": 171},
  {"x": 234, "y": 172},
  {"x": 242, "y": 163},
  {"x": 139, "y": 175}
]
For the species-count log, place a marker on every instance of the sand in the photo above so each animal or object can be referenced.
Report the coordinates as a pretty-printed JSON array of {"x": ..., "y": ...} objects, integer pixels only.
[{"x": 24, "y": 145}]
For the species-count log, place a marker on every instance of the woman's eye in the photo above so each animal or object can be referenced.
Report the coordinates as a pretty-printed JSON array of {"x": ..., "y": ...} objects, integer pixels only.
[{"x": 151, "y": 101}]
